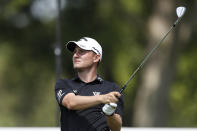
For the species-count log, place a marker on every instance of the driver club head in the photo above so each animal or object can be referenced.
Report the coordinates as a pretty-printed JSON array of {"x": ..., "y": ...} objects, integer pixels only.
[{"x": 180, "y": 11}]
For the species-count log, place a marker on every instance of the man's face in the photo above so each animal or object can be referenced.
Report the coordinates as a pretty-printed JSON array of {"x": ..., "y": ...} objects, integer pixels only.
[{"x": 83, "y": 59}]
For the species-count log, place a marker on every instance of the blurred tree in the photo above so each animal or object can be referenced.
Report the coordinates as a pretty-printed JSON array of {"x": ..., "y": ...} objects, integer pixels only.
[
  {"x": 151, "y": 107},
  {"x": 183, "y": 92},
  {"x": 27, "y": 76},
  {"x": 152, "y": 101}
]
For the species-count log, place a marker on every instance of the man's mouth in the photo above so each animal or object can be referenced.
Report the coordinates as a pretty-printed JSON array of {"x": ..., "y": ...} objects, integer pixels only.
[{"x": 76, "y": 61}]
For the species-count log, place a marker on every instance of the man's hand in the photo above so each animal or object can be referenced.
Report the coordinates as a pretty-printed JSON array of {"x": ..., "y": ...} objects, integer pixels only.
[
  {"x": 111, "y": 97},
  {"x": 110, "y": 101}
]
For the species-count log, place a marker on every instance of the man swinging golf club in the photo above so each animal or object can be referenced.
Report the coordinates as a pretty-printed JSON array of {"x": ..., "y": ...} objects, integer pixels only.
[
  {"x": 84, "y": 99},
  {"x": 87, "y": 102}
]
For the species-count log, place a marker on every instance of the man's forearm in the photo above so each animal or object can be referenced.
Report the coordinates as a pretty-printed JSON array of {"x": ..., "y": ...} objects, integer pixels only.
[
  {"x": 73, "y": 102},
  {"x": 114, "y": 122}
]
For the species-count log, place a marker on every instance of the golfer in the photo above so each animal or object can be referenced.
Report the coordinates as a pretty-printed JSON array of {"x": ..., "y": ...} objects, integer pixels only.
[{"x": 87, "y": 102}]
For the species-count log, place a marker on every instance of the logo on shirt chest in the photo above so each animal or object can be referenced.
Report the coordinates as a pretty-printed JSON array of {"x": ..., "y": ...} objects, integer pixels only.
[
  {"x": 75, "y": 91},
  {"x": 96, "y": 93}
]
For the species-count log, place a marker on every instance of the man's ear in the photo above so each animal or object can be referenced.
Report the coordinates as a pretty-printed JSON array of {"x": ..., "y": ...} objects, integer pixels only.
[{"x": 97, "y": 58}]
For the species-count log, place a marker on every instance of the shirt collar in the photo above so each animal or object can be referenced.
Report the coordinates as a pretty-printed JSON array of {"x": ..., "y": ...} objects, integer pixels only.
[{"x": 98, "y": 79}]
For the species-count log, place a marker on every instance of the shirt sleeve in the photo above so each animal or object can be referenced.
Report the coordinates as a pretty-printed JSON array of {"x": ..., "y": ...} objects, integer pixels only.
[{"x": 61, "y": 89}]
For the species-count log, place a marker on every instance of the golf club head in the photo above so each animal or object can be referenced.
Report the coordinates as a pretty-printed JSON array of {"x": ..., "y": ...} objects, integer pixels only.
[{"x": 180, "y": 11}]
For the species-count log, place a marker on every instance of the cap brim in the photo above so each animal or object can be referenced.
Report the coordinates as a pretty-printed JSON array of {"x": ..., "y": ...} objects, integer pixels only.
[{"x": 71, "y": 45}]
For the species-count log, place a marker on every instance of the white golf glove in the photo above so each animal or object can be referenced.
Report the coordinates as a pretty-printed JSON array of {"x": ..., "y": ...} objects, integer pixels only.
[{"x": 109, "y": 109}]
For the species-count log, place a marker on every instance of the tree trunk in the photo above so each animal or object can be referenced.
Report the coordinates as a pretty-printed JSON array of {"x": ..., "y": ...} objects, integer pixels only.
[{"x": 151, "y": 105}]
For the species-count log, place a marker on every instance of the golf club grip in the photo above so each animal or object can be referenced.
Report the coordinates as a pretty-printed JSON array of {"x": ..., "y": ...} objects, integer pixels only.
[{"x": 122, "y": 89}]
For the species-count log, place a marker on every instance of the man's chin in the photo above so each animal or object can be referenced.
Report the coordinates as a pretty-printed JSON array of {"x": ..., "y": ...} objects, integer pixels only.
[{"x": 77, "y": 68}]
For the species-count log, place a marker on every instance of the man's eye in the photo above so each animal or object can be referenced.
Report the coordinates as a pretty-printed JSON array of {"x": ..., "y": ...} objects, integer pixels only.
[{"x": 82, "y": 51}]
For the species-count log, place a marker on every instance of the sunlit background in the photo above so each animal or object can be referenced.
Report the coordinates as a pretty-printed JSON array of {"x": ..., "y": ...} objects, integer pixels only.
[{"x": 33, "y": 34}]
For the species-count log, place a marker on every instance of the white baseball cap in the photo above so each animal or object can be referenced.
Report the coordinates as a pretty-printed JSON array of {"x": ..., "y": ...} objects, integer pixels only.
[{"x": 86, "y": 43}]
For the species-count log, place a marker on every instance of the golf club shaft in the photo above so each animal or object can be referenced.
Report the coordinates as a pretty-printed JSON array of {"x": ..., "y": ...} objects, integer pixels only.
[
  {"x": 148, "y": 56},
  {"x": 179, "y": 14}
]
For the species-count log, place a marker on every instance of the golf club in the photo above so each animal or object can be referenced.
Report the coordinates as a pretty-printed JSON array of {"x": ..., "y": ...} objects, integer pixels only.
[{"x": 180, "y": 11}]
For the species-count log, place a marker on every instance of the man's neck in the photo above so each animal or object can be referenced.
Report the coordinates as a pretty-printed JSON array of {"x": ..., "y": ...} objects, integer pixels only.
[{"x": 87, "y": 75}]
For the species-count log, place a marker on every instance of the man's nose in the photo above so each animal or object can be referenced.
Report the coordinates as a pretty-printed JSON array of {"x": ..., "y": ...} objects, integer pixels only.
[{"x": 76, "y": 54}]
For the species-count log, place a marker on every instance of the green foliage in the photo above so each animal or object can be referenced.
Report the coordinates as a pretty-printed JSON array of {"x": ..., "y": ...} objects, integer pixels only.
[
  {"x": 27, "y": 74},
  {"x": 184, "y": 92},
  {"x": 135, "y": 7}
]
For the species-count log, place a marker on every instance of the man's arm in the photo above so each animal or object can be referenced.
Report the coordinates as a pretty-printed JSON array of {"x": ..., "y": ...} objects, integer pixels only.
[
  {"x": 114, "y": 122},
  {"x": 76, "y": 102}
]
